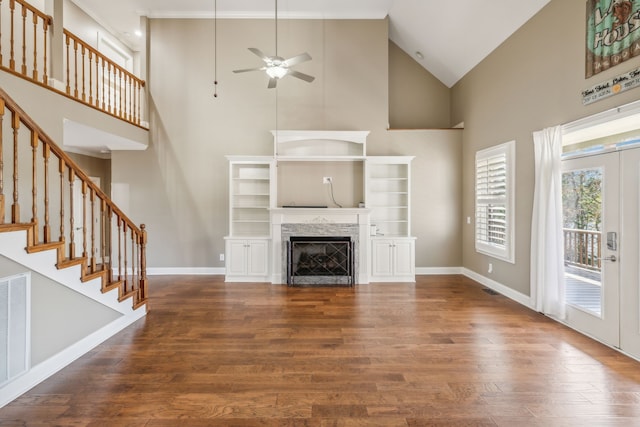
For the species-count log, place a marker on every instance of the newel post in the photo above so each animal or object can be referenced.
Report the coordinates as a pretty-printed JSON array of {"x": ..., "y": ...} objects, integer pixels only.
[{"x": 143, "y": 262}]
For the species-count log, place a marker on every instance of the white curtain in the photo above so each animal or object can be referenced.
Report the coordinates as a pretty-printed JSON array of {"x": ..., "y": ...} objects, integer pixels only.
[{"x": 547, "y": 247}]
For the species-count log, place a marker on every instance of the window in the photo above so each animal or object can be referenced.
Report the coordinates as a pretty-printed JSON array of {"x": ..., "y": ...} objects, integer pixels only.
[{"x": 495, "y": 169}]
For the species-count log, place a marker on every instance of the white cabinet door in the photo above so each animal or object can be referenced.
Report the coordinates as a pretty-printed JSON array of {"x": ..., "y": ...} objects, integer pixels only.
[
  {"x": 257, "y": 257},
  {"x": 404, "y": 257},
  {"x": 247, "y": 260},
  {"x": 393, "y": 260},
  {"x": 236, "y": 258},
  {"x": 381, "y": 258}
]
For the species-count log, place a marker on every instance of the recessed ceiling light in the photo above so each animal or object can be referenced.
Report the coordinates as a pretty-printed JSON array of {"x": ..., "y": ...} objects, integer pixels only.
[
  {"x": 419, "y": 55},
  {"x": 138, "y": 33}
]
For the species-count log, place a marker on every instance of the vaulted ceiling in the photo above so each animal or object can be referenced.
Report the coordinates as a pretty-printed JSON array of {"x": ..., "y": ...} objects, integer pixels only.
[{"x": 452, "y": 36}]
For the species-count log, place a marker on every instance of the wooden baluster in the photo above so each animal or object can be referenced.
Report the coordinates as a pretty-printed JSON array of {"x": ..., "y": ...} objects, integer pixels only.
[
  {"x": 15, "y": 208},
  {"x": 84, "y": 96},
  {"x": 90, "y": 77},
  {"x": 67, "y": 42},
  {"x": 103, "y": 86},
  {"x": 75, "y": 68},
  {"x": 72, "y": 233},
  {"x": 12, "y": 58},
  {"x": 92, "y": 199},
  {"x": 124, "y": 247},
  {"x": 84, "y": 220},
  {"x": 133, "y": 260},
  {"x": 34, "y": 185},
  {"x": 110, "y": 86},
  {"x": 97, "y": 81},
  {"x": 61, "y": 169},
  {"x": 131, "y": 83},
  {"x": 24, "y": 40},
  {"x": 1, "y": 158},
  {"x": 120, "y": 88},
  {"x": 138, "y": 90},
  {"x": 45, "y": 32},
  {"x": 108, "y": 261},
  {"x": 46, "y": 151},
  {"x": 35, "y": 47},
  {"x": 143, "y": 263},
  {"x": 119, "y": 250},
  {"x": 103, "y": 232}
]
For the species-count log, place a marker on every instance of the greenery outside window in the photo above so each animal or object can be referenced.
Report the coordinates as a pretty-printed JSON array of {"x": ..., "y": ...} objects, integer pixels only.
[{"x": 495, "y": 175}]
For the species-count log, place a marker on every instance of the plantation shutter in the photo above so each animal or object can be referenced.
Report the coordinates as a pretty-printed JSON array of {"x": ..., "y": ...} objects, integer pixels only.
[{"x": 493, "y": 226}]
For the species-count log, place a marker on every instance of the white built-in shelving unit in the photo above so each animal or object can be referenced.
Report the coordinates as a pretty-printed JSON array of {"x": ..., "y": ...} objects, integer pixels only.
[{"x": 252, "y": 195}]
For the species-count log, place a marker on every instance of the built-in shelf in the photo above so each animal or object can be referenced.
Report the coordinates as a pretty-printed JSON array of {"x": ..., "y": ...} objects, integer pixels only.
[
  {"x": 386, "y": 251},
  {"x": 250, "y": 195}
]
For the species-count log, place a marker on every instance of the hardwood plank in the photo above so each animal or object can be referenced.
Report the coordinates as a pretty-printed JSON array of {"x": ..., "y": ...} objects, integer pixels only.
[{"x": 437, "y": 352}]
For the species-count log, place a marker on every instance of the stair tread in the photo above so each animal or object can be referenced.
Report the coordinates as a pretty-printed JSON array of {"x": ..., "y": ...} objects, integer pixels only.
[
  {"x": 67, "y": 262},
  {"x": 126, "y": 295},
  {"x": 15, "y": 227},
  {"x": 40, "y": 247}
]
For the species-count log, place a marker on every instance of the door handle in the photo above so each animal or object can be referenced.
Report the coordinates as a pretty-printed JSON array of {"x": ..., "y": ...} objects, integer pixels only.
[{"x": 611, "y": 258}]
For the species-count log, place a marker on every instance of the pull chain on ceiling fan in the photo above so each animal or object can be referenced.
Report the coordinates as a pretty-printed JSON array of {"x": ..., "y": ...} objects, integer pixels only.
[{"x": 277, "y": 67}]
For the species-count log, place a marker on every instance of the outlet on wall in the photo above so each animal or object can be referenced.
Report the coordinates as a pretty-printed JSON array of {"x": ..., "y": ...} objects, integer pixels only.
[
  {"x": 326, "y": 180},
  {"x": 490, "y": 269},
  {"x": 221, "y": 257}
]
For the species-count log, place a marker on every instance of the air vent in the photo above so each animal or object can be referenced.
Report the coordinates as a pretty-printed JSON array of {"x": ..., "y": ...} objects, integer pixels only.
[
  {"x": 15, "y": 312},
  {"x": 490, "y": 291}
]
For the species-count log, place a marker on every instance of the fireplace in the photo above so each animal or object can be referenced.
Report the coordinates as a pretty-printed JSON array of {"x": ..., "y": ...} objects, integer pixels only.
[
  {"x": 320, "y": 261},
  {"x": 351, "y": 225}
]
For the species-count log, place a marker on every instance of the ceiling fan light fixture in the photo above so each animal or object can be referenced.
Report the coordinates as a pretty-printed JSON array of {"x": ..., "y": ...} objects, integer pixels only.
[{"x": 276, "y": 71}]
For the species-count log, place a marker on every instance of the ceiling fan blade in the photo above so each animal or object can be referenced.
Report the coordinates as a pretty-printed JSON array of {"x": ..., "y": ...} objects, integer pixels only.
[
  {"x": 249, "y": 69},
  {"x": 297, "y": 59},
  {"x": 272, "y": 83},
  {"x": 258, "y": 52},
  {"x": 301, "y": 76}
]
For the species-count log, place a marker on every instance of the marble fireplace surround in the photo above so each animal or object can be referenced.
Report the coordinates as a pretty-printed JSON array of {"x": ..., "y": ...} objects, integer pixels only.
[{"x": 351, "y": 222}]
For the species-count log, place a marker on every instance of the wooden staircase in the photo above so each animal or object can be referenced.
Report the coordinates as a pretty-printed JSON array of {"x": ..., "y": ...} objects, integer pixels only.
[{"x": 106, "y": 244}]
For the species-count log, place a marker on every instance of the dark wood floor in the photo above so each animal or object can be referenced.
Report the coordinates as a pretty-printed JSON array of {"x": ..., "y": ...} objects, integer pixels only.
[{"x": 438, "y": 352}]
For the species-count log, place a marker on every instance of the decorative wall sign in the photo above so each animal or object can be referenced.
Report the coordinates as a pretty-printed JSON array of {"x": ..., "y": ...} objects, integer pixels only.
[
  {"x": 612, "y": 87},
  {"x": 613, "y": 33}
]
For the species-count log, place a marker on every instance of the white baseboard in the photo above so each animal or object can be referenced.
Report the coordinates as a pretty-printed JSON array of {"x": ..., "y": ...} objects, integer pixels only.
[
  {"x": 431, "y": 271},
  {"x": 165, "y": 271},
  {"x": 44, "y": 370},
  {"x": 499, "y": 287}
]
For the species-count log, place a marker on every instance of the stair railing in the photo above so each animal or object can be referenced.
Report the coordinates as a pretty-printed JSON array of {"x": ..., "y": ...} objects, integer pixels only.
[
  {"x": 95, "y": 80},
  {"x": 89, "y": 76},
  {"x": 65, "y": 210},
  {"x": 28, "y": 40}
]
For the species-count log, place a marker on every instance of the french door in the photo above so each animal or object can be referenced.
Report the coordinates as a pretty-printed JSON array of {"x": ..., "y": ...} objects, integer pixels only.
[
  {"x": 590, "y": 199},
  {"x": 630, "y": 248},
  {"x": 601, "y": 212}
]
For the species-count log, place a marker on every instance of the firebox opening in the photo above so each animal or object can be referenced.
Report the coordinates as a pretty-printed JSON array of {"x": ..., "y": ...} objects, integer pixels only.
[{"x": 320, "y": 261}]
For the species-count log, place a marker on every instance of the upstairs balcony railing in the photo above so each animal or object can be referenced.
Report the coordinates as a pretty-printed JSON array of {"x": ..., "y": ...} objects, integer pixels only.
[
  {"x": 583, "y": 248},
  {"x": 88, "y": 76}
]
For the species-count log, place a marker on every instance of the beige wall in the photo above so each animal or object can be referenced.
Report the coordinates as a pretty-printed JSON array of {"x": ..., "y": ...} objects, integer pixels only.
[
  {"x": 179, "y": 186},
  {"x": 532, "y": 81},
  {"x": 60, "y": 316},
  {"x": 417, "y": 99},
  {"x": 95, "y": 167},
  {"x": 436, "y": 198}
]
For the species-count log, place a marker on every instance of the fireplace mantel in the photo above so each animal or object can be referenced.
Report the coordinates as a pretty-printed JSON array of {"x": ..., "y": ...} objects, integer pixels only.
[{"x": 319, "y": 219}]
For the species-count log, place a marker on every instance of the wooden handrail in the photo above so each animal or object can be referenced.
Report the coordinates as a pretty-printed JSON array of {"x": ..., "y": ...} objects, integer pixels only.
[
  {"x": 131, "y": 281},
  {"x": 47, "y": 18}
]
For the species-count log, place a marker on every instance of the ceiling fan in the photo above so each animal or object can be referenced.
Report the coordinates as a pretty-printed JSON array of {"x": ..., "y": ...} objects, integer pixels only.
[{"x": 277, "y": 67}]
